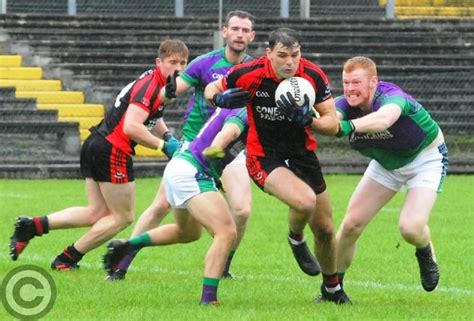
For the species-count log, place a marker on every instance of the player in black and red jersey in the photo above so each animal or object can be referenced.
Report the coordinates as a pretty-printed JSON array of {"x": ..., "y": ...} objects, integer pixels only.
[
  {"x": 281, "y": 155},
  {"x": 106, "y": 162}
]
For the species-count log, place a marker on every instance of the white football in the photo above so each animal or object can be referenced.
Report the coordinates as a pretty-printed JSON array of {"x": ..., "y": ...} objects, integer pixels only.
[{"x": 298, "y": 87}]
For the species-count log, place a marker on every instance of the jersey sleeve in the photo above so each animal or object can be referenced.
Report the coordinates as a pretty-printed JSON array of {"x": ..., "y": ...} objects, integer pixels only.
[
  {"x": 238, "y": 117},
  {"x": 192, "y": 74},
  {"x": 230, "y": 80},
  {"x": 324, "y": 90},
  {"x": 145, "y": 94},
  {"x": 342, "y": 106},
  {"x": 400, "y": 101}
]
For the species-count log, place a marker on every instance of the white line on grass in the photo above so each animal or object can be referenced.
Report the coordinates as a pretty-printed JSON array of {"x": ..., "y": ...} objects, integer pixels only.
[
  {"x": 271, "y": 278},
  {"x": 15, "y": 195}
]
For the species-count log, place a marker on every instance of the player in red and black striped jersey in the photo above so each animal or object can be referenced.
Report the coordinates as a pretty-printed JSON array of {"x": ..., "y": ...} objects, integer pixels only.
[
  {"x": 281, "y": 155},
  {"x": 106, "y": 162}
]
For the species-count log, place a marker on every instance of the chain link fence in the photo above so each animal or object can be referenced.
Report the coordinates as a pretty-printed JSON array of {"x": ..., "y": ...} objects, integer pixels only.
[
  {"x": 268, "y": 8},
  {"x": 99, "y": 54}
]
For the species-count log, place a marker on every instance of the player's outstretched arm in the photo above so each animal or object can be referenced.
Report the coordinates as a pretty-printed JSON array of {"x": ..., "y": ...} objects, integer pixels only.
[
  {"x": 371, "y": 123},
  {"x": 231, "y": 98},
  {"x": 175, "y": 86},
  {"x": 228, "y": 133},
  {"x": 212, "y": 89},
  {"x": 379, "y": 120}
]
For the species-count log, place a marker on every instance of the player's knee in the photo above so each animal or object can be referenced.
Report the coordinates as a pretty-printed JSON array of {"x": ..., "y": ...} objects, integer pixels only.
[
  {"x": 324, "y": 233},
  {"x": 159, "y": 209},
  {"x": 190, "y": 235},
  {"x": 227, "y": 234},
  {"x": 231, "y": 236},
  {"x": 410, "y": 231},
  {"x": 128, "y": 220},
  {"x": 241, "y": 212},
  {"x": 124, "y": 220},
  {"x": 96, "y": 213},
  {"x": 189, "y": 238},
  {"x": 351, "y": 228},
  {"x": 305, "y": 205}
]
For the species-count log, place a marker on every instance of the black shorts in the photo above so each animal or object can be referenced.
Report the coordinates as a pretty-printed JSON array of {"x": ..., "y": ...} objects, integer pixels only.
[
  {"x": 305, "y": 166},
  {"x": 103, "y": 162}
]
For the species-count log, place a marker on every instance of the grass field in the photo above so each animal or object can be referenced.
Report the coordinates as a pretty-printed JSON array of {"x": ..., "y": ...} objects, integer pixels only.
[{"x": 164, "y": 283}]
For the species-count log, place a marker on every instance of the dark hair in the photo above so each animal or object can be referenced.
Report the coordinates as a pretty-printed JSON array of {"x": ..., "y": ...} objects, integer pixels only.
[
  {"x": 172, "y": 47},
  {"x": 241, "y": 14},
  {"x": 286, "y": 36}
]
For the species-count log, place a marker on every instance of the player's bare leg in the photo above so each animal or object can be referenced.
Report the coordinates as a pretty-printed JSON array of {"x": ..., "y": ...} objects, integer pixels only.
[
  {"x": 322, "y": 226},
  {"x": 148, "y": 220},
  {"x": 154, "y": 214},
  {"x": 27, "y": 228},
  {"x": 287, "y": 187},
  {"x": 236, "y": 183},
  {"x": 414, "y": 228},
  {"x": 120, "y": 200},
  {"x": 211, "y": 210},
  {"x": 367, "y": 200},
  {"x": 185, "y": 230}
]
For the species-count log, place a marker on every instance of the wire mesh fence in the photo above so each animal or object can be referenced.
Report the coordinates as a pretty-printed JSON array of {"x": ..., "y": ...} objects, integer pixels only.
[
  {"x": 431, "y": 60},
  {"x": 259, "y": 8}
]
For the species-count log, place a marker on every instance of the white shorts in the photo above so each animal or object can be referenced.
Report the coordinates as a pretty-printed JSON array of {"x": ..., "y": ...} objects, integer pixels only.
[
  {"x": 240, "y": 159},
  {"x": 183, "y": 181},
  {"x": 428, "y": 169}
]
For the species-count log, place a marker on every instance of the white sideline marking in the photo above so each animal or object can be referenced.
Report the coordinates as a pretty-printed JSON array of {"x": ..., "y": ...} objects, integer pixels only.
[
  {"x": 364, "y": 284},
  {"x": 15, "y": 195}
]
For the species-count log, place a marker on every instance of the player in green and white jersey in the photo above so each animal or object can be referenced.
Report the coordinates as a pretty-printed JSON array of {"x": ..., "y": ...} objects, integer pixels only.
[
  {"x": 407, "y": 148},
  {"x": 238, "y": 32}
]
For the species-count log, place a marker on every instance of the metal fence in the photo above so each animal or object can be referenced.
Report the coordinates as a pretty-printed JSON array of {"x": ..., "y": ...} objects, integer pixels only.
[
  {"x": 274, "y": 8},
  {"x": 433, "y": 60}
]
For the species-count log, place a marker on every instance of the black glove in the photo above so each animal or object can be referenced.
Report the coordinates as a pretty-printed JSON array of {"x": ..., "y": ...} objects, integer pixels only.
[
  {"x": 286, "y": 106},
  {"x": 170, "y": 89},
  {"x": 231, "y": 98},
  {"x": 298, "y": 114}
]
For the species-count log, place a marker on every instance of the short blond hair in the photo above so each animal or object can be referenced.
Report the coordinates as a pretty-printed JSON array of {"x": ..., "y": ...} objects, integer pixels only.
[{"x": 361, "y": 62}]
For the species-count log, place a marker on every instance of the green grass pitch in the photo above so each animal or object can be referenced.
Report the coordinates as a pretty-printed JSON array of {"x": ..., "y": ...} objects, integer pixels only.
[{"x": 164, "y": 283}]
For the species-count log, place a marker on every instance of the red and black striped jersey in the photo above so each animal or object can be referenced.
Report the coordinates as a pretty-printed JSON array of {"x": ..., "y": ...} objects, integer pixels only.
[
  {"x": 143, "y": 92},
  {"x": 269, "y": 130}
]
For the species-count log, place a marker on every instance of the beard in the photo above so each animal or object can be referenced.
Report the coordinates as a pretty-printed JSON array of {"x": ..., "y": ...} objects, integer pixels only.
[{"x": 237, "y": 49}]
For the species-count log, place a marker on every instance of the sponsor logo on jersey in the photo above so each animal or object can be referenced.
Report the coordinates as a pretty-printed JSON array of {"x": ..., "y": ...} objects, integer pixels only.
[
  {"x": 269, "y": 113},
  {"x": 119, "y": 175},
  {"x": 382, "y": 135},
  {"x": 327, "y": 93},
  {"x": 146, "y": 101},
  {"x": 262, "y": 94},
  {"x": 217, "y": 76}
]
